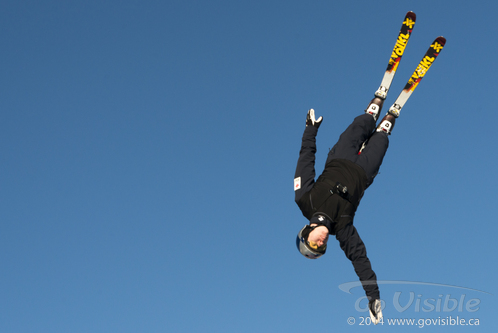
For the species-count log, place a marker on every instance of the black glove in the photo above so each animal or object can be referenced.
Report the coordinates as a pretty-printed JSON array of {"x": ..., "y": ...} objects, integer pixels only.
[{"x": 310, "y": 119}]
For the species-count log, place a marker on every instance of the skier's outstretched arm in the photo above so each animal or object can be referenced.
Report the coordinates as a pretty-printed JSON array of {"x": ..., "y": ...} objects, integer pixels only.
[
  {"x": 355, "y": 250},
  {"x": 304, "y": 177}
]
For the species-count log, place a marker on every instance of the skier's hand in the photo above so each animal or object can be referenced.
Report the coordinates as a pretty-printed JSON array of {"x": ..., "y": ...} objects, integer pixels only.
[
  {"x": 310, "y": 119},
  {"x": 375, "y": 311}
]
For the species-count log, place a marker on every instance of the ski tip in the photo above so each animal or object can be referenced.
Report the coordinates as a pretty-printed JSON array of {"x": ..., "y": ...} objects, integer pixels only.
[
  {"x": 441, "y": 40},
  {"x": 411, "y": 15}
]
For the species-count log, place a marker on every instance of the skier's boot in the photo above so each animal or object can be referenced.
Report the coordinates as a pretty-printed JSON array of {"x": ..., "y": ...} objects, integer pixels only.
[
  {"x": 374, "y": 107},
  {"x": 386, "y": 124}
]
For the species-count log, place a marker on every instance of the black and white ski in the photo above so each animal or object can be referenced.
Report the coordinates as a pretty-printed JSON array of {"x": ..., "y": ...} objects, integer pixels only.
[
  {"x": 398, "y": 50},
  {"x": 430, "y": 56},
  {"x": 404, "y": 34},
  {"x": 422, "y": 68}
]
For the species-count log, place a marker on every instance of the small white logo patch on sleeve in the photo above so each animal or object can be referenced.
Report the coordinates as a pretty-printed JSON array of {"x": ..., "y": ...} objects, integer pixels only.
[{"x": 297, "y": 183}]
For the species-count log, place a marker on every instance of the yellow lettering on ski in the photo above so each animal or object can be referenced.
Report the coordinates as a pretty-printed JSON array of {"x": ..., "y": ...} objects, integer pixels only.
[
  {"x": 400, "y": 46},
  {"x": 409, "y": 22},
  {"x": 421, "y": 70},
  {"x": 419, "y": 73},
  {"x": 438, "y": 47},
  {"x": 427, "y": 62},
  {"x": 413, "y": 82}
]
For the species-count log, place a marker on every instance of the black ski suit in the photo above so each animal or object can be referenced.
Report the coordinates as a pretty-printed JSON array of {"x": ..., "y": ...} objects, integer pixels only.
[{"x": 321, "y": 203}]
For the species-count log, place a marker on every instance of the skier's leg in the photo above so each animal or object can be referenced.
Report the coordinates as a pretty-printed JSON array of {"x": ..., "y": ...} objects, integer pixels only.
[
  {"x": 372, "y": 155},
  {"x": 352, "y": 138}
]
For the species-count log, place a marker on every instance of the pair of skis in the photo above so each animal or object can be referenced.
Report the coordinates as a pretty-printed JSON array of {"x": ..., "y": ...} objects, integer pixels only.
[{"x": 418, "y": 74}]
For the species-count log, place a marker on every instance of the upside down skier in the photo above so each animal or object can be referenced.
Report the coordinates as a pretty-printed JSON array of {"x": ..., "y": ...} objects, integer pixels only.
[{"x": 330, "y": 203}]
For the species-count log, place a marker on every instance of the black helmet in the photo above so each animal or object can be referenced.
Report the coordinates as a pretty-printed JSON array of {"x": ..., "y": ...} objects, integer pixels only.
[{"x": 305, "y": 248}]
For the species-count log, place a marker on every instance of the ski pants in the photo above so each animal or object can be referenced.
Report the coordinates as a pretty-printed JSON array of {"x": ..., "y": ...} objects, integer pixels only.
[{"x": 350, "y": 143}]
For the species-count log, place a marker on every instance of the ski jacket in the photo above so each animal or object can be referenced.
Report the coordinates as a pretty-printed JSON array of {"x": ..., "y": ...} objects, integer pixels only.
[
  {"x": 321, "y": 204},
  {"x": 336, "y": 194}
]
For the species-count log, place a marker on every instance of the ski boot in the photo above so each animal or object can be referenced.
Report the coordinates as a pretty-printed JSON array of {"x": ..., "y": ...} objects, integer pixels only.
[
  {"x": 374, "y": 107},
  {"x": 386, "y": 124}
]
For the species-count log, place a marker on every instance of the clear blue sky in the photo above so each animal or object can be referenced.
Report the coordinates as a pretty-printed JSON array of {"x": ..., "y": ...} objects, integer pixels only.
[{"x": 148, "y": 150}]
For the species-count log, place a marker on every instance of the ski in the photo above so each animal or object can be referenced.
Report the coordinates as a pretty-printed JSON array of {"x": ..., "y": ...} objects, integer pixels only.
[
  {"x": 422, "y": 68},
  {"x": 398, "y": 50}
]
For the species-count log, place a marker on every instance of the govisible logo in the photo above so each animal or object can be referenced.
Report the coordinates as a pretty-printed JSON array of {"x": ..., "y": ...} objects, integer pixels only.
[{"x": 433, "y": 301}]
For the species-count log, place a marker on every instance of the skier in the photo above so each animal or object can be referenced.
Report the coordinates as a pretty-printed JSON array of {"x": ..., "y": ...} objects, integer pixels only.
[{"x": 330, "y": 203}]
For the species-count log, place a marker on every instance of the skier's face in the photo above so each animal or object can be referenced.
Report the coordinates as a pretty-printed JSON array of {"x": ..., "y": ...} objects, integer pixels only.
[{"x": 318, "y": 236}]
